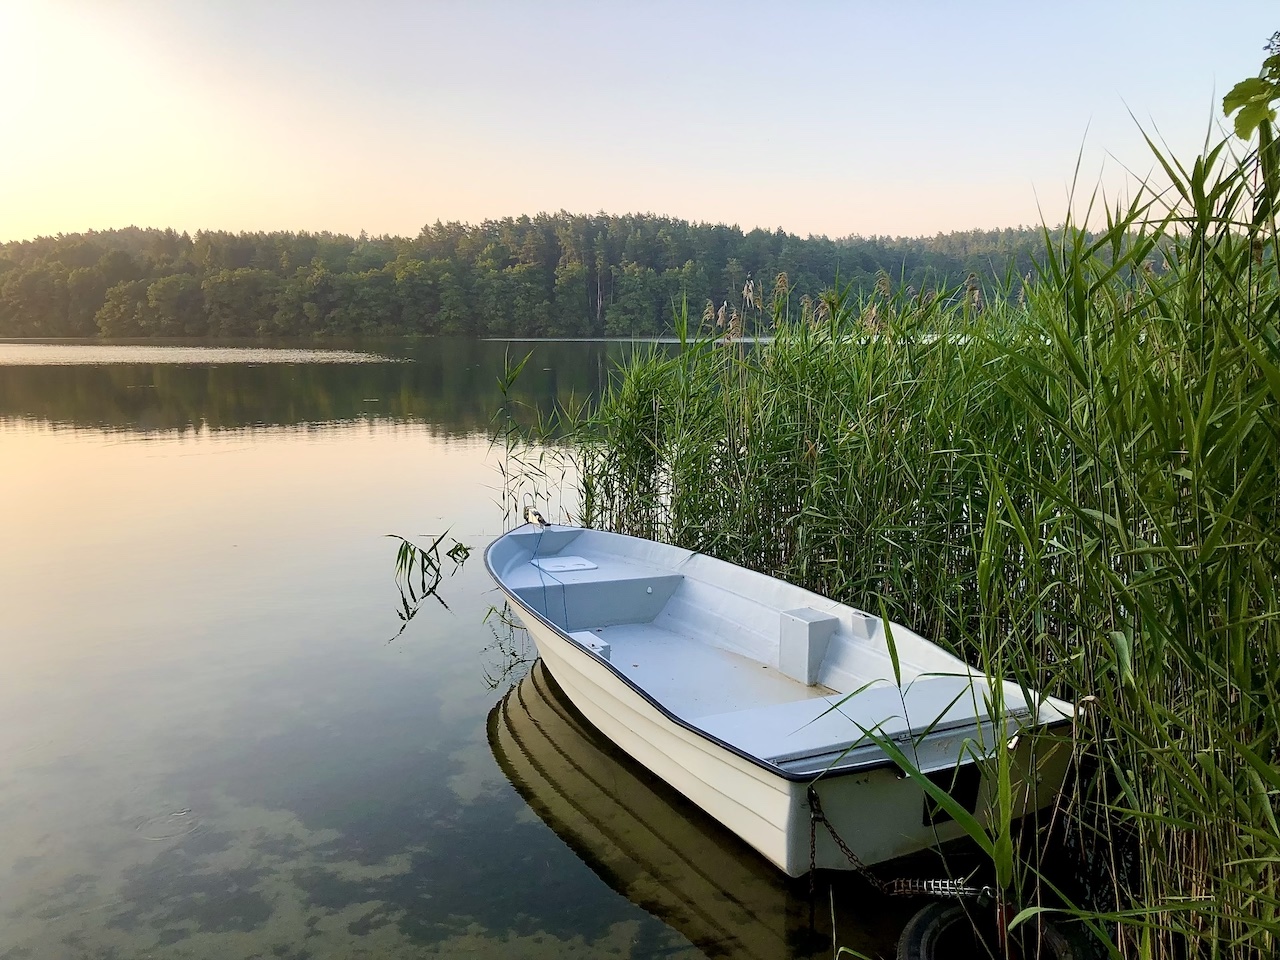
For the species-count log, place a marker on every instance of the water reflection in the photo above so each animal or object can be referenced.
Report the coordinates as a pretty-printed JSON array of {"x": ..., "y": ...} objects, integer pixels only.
[
  {"x": 207, "y": 747},
  {"x": 664, "y": 854},
  {"x": 420, "y": 571},
  {"x": 512, "y": 652},
  {"x": 450, "y": 384}
]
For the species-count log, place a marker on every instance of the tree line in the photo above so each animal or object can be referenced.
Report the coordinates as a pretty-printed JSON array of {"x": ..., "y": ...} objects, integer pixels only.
[{"x": 548, "y": 275}]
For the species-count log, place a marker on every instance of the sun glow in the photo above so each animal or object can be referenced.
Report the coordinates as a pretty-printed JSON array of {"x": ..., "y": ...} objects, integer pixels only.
[{"x": 288, "y": 116}]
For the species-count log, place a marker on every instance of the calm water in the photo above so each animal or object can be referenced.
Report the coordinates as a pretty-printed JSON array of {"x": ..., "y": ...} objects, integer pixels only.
[{"x": 212, "y": 746}]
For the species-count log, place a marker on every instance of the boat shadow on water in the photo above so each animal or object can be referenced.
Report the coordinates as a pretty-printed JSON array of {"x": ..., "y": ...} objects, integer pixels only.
[{"x": 666, "y": 855}]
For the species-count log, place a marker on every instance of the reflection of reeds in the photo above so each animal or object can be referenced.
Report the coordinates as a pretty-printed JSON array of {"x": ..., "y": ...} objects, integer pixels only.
[
  {"x": 420, "y": 573},
  {"x": 1080, "y": 487},
  {"x": 512, "y": 651}
]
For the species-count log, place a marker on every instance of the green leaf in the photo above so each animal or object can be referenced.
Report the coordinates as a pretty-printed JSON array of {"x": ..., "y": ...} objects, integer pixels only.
[
  {"x": 1124, "y": 656},
  {"x": 1251, "y": 89},
  {"x": 1251, "y": 116},
  {"x": 963, "y": 818},
  {"x": 511, "y": 374},
  {"x": 893, "y": 647}
]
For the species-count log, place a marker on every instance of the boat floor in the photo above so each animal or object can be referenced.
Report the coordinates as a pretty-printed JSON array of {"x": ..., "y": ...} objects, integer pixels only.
[{"x": 694, "y": 679}]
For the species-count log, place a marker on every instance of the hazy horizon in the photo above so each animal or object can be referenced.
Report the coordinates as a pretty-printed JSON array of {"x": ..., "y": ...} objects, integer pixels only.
[
  {"x": 88, "y": 231},
  {"x": 825, "y": 119}
]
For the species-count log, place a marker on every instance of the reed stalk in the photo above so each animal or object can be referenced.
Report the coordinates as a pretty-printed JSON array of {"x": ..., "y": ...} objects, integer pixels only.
[{"x": 1079, "y": 485}]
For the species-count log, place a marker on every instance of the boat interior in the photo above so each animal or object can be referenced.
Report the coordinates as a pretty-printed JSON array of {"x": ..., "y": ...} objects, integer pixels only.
[{"x": 778, "y": 672}]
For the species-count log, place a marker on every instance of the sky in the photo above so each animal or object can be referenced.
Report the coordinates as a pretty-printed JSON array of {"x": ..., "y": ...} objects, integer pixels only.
[{"x": 853, "y": 118}]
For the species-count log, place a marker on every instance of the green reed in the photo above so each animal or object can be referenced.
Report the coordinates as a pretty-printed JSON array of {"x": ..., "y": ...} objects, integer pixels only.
[{"x": 1076, "y": 487}]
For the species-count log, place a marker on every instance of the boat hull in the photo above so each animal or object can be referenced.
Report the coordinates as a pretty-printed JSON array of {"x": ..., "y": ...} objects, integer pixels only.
[
  {"x": 657, "y": 850},
  {"x": 878, "y": 812}
]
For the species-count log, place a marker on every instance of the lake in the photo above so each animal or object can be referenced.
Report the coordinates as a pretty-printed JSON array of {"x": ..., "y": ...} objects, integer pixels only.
[{"x": 216, "y": 739}]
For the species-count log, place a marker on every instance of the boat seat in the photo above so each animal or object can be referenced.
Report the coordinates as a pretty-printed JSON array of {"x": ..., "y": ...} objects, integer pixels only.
[
  {"x": 579, "y": 593},
  {"x": 804, "y": 636},
  {"x": 820, "y": 725}
]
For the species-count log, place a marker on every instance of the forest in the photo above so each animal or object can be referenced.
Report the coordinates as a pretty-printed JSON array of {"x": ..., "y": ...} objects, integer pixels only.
[{"x": 551, "y": 275}]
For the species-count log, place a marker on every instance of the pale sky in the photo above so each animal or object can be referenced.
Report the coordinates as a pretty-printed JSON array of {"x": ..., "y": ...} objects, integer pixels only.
[{"x": 900, "y": 118}]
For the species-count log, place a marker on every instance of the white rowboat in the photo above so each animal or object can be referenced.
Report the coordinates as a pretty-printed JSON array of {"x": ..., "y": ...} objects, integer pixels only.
[{"x": 742, "y": 692}]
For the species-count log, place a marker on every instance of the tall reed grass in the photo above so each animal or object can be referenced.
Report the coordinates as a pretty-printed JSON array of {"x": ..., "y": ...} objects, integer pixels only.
[{"x": 1077, "y": 487}]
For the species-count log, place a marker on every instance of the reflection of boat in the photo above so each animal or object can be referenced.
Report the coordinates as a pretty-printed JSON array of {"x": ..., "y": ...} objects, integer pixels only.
[
  {"x": 743, "y": 692},
  {"x": 653, "y": 847}
]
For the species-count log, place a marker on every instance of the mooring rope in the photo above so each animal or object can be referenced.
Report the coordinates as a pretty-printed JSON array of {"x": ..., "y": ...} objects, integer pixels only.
[{"x": 545, "y": 575}]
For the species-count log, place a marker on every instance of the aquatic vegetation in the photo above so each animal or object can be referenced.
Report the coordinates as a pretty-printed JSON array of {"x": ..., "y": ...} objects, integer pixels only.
[
  {"x": 1078, "y": 486},
  {"x": 420, "y": 573}
]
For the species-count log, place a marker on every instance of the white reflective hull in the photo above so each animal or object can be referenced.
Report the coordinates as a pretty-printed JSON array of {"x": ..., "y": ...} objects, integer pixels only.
[
  {"x": 879, "y": 813},
  {"x": 744, "y": 692}
]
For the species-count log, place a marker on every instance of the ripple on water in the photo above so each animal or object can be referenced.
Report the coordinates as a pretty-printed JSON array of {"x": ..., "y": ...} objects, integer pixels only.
[{"x": 168, "y": 826}]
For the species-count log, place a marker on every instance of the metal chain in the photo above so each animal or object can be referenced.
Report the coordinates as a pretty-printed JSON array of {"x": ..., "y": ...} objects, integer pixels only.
[
  {"x": 900, "y": 887},
  {"x": 816, "y": 816}
]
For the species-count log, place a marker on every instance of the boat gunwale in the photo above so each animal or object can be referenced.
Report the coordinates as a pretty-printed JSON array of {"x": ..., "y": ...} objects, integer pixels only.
[{"x": 835, "y": 770}]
